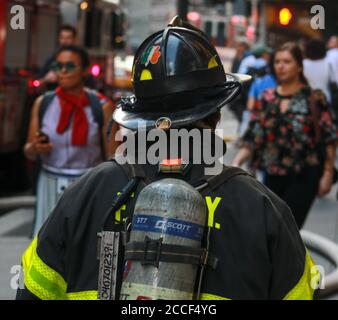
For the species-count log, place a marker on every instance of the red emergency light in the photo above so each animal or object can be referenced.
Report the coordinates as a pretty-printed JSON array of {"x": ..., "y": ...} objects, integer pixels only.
[
  {"x": 95, "y": 70},
  {"x": 23, "y": 72},
  {"x": 36, "y": 83},
  {"x": 33, "y": 83}
]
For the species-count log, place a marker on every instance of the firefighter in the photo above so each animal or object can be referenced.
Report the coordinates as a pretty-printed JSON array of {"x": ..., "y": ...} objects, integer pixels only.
[{"x": 179, "y": 82}]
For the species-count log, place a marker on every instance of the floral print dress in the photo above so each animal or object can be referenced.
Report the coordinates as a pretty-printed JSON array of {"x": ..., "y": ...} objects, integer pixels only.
[{"x": 285, "y": 142}]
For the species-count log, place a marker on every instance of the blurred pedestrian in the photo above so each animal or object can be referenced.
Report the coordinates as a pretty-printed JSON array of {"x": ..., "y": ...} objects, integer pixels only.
[
  {"x": 265, "y": 79},
  {"x": 291, "y": 136},
  {"x": 317, "y": 69},
  {"x": 253, "y": 64},
  {"x": 67, "y": 36},
  {"x": 257, "y": 60},
  {"x": 242, "y": 51},
  {"x": 67, "y": 130},
  {"x": 332, "y": 56}
]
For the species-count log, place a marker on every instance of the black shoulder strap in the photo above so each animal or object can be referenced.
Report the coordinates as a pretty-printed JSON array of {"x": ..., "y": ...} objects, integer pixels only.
[
  {"x": 96, "y": 107},
  {"x": 136, "y": 177},
  {"x": 97, "y": 110},
  {"x": 228, "y": 173},
  {"x": 131, "y": 170},
  {"x": 46, "y": 100}
]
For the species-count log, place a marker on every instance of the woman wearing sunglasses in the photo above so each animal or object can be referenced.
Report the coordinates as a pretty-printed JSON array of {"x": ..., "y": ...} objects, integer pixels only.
[{"x": 66, "y": 133}]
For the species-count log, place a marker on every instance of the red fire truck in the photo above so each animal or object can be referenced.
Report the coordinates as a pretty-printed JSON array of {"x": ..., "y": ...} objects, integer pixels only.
[{"x": 22, "y": 50}]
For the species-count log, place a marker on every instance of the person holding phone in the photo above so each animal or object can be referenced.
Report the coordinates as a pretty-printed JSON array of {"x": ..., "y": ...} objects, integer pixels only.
[{"x": 67, "y": 130}]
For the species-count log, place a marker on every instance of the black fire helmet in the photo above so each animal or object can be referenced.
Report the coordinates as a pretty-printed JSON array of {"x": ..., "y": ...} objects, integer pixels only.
[{"x": 178, "y": 79}]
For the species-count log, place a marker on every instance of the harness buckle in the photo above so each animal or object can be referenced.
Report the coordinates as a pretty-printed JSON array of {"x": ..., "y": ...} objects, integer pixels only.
[{"x": 152, "y": 247}]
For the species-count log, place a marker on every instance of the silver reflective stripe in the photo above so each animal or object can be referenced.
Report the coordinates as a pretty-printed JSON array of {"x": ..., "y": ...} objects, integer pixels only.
[{"x": 108, "y": 245}]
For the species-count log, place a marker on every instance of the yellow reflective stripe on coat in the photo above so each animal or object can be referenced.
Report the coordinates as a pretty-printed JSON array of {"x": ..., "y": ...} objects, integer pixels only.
[
  {"x": 83, "y": 295},
  {"x": 44, "y": 282},
  {"x": 40, "y": 279},
  {"x": 308, "y": 282},
  {"x": 207, "y": 296},
  {"x": 302, "y": 291}
]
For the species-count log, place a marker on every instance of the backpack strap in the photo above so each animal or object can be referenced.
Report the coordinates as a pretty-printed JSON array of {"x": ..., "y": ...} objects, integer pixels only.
[
  {"x": 96, "y": 106},
  {"x": 94, "y": 100},
  {"x": 213, "y": 182},
  {"x": 97, "y": 110},
  {"x": 131, "y": 170},
  {"x": 136, "y": 177},
  {"x": 47, "y": 98},
  {"x": 210, "y": 184},
  {"x": 152, "y": 251}
]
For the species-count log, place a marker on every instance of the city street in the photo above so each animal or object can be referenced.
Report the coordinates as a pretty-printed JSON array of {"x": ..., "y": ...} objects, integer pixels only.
[
  {"x": 73, "y": 72},
  {"x": 16, "y": 226}
]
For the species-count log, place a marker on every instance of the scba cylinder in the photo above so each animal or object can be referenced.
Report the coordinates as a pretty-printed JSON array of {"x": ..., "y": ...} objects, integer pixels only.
[{"x": 173, "y": 210}]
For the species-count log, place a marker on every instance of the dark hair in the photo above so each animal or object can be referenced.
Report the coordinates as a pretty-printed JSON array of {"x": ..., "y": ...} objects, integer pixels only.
[
  {"x": 82, "y": 53},
  {"x": 296, "y": 52},
  {"x": 243, "y": 44},
  {"x": 270, "y": 68},
  {"x": 212, "y": 120},
  {"x": 68, "y": 27},
  {"x": 315, "y": 49}
]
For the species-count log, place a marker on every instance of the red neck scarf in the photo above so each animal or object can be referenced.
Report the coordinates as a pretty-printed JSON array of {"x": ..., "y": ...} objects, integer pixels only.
[{"x": 73, "y": 105}]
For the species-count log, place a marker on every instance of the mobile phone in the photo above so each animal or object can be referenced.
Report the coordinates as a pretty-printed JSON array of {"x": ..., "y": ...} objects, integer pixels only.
[{"x": 42, "y": 134}]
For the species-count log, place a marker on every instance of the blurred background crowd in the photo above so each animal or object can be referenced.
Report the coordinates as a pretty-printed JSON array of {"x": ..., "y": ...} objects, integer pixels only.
[
  {"x": 63, "y": 71},
  {"x": 89, "y": 45}
]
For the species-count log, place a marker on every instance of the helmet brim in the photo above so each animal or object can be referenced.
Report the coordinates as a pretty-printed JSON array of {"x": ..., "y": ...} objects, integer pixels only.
[{"x": 148, "y": 120}]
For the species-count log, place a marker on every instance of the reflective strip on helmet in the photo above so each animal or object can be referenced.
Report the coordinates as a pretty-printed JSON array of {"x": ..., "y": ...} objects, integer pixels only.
[
  {"x": 146, "y": 75},
  {"x": 212, "y": 63},
  {"x": 208, "y": 296},
  {"x": 44, "y": 282},
  {"x": 308, "y": 282}
]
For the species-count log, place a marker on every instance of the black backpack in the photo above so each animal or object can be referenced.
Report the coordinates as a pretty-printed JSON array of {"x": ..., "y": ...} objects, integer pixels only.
[
  {"x": 95, "y": 105},
  {"x": 94, "y": 100}
]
